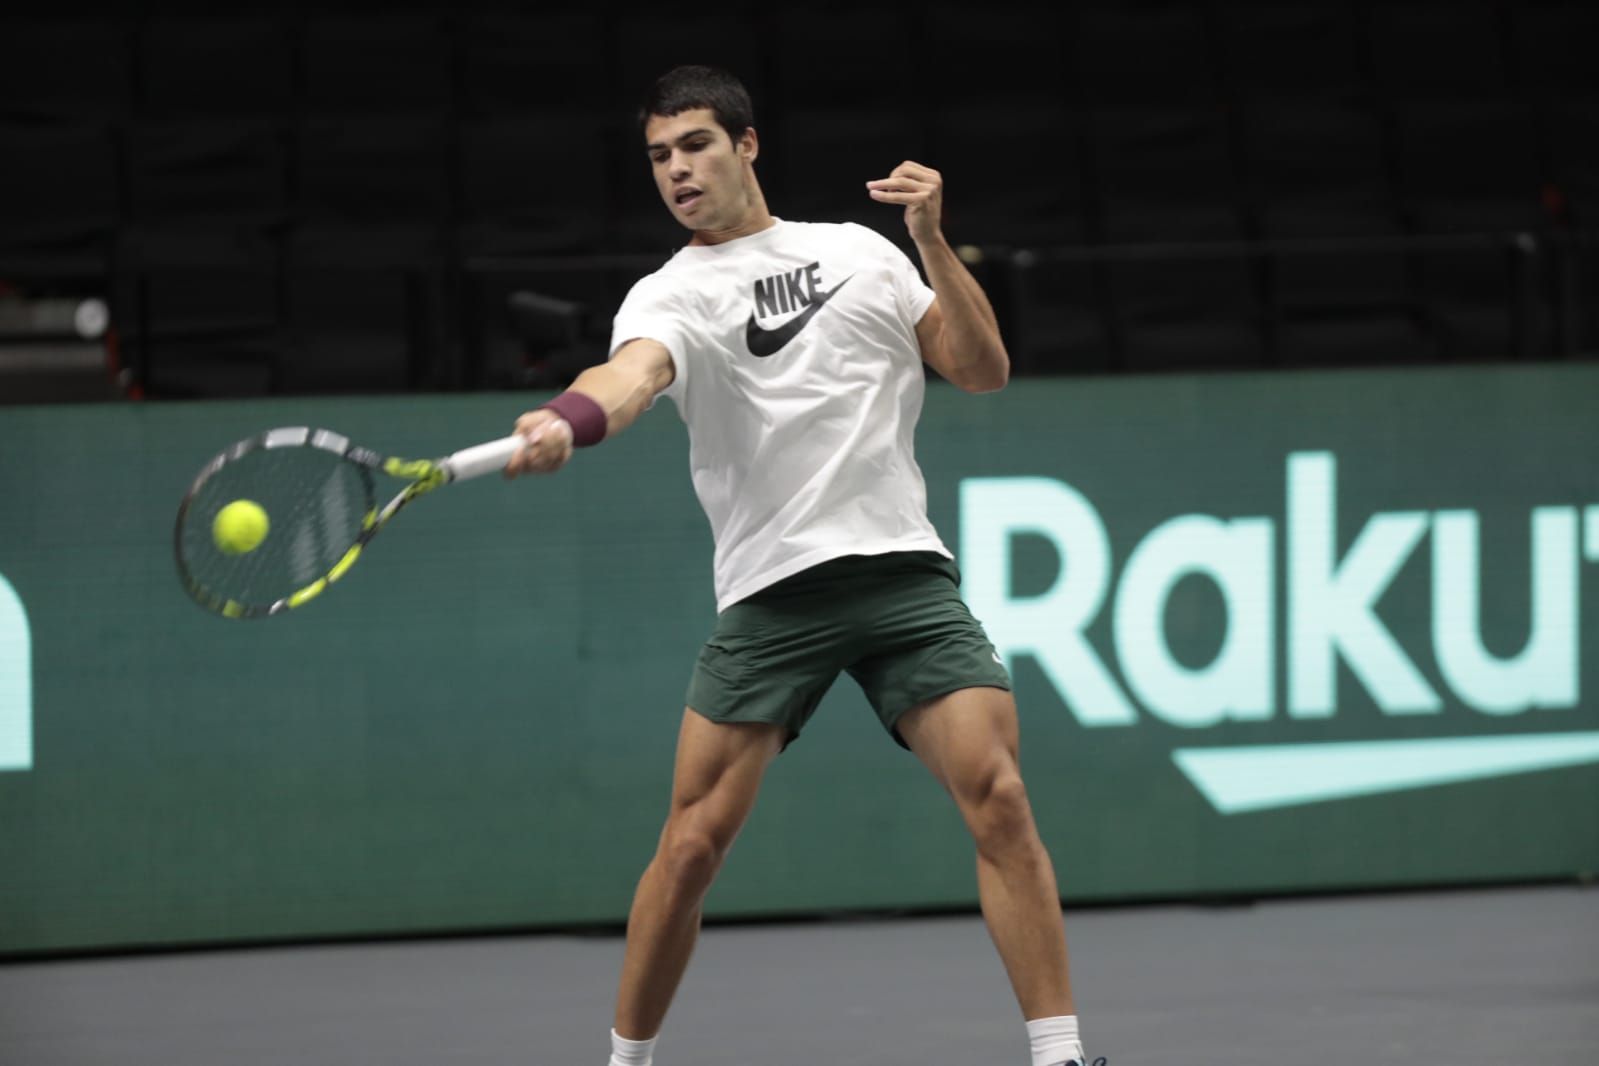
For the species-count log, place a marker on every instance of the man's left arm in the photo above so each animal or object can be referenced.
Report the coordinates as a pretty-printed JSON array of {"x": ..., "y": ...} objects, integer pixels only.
[{"x": 959, "y": 335}]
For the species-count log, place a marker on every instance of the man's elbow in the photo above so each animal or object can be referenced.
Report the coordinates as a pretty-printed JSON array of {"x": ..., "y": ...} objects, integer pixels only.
[{"x": 990, "y": 375}]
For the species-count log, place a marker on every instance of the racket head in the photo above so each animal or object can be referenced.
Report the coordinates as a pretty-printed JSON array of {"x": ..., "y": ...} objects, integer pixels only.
[{"x": 320, "y": 498}]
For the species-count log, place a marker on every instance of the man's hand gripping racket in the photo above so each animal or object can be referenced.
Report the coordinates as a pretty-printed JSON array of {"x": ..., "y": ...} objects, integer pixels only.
[{"x": 275, "y": 519}]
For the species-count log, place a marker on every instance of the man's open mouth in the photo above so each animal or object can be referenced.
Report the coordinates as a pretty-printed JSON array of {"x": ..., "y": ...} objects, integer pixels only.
[{"x": 686, "y": 196}]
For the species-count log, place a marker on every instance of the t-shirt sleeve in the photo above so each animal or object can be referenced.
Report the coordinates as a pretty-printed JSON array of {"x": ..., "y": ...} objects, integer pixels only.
[
  {"x": 653, "y": 311},
  {"x": 910, "y": 291}
]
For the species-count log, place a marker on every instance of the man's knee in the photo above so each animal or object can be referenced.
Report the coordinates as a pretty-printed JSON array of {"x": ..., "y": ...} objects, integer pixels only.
[
  {"x": 692, "y": 853},
  {"x": 997, "y": 809}
]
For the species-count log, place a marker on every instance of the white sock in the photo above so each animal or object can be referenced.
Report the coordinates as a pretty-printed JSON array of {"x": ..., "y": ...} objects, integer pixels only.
[
  {"x": 625, "y": 1052},
  {"x": 1055, "y": 1041}
]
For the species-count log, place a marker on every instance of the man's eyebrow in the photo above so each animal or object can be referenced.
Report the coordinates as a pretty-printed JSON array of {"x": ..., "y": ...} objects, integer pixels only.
[{"x": 698, "y": 130}]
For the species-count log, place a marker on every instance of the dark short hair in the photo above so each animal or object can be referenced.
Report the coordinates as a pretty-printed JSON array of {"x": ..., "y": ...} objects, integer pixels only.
[{"x": 686, "y": 88}]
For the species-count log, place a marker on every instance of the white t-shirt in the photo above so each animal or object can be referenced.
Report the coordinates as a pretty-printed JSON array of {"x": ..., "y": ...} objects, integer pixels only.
[{"x": 800, "y": 378}]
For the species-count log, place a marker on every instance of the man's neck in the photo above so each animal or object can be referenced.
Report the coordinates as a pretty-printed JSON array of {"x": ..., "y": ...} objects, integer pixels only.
[{"x": 754, "y": 222}]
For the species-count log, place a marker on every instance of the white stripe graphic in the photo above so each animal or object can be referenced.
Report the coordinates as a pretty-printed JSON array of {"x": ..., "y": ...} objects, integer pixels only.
[
  {"x": 1267, "y": 776},
  {"x": 16, "y": 682}
]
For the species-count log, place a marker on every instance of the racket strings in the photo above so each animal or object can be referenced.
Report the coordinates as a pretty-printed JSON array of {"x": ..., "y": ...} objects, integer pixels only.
[
  {"x": 319, "y": 528},
  {"x": 316, "y": 503}
]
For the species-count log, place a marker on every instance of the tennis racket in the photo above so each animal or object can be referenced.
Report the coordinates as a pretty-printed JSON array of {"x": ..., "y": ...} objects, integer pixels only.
[{"x": 317, "y": 495}]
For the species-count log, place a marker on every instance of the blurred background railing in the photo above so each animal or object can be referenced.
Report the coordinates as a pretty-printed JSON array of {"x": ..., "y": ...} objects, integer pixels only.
[{"x": 327, "y": 199}]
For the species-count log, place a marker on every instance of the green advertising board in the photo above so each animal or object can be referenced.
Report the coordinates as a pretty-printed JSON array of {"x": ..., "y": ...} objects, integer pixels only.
[{"x": 1269, "y": 633}]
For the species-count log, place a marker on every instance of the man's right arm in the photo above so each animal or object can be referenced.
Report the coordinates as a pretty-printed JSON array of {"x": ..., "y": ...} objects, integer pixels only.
[{"x": 622, "y": 388}]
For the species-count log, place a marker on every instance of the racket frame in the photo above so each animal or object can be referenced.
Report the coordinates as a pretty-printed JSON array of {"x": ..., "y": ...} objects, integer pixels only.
[{"x": 422, "y": 476}]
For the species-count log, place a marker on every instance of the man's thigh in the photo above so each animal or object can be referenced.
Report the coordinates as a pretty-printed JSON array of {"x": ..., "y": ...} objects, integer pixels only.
[
  {"x": 966, "y": 737},
  {"x": 721, "y": 764}
]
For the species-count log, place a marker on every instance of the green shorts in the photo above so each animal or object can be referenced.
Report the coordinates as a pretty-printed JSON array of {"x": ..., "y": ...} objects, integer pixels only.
[{"x": 895, "y": 623}]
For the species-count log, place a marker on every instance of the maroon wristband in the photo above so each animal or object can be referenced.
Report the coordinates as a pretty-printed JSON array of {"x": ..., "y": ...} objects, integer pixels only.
[{"x": 586, "y": 417}]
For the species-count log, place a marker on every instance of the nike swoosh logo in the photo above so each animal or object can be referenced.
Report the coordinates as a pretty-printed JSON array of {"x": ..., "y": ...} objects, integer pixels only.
[{"x": 765, "y": 342}]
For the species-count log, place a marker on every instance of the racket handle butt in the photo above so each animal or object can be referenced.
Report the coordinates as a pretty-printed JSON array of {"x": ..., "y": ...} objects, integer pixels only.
[{"x": 483, "y": 459}]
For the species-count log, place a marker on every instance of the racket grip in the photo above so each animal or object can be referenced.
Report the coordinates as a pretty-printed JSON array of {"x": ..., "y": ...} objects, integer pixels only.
[{"x": 483, "y": 459}]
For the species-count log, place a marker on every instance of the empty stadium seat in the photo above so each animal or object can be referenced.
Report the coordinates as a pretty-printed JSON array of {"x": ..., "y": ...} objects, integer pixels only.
[
  {"x": 199, "y": 306},
  {"x": 1552, "y": 45},
  {"x": 1570, "y": 135},
  {"x": 219, "y": 66},
  {"x": 1582, "y": 312},
  {"x": 1013, "y": 55},
  {"x": 1165, "y": 175},
  {"x": 356, "y": 330},
  {"x": 202, "y": 331},
  {"x": 844, "y": 58},
  {"x": 1469, "y": 166},
  {"x": 650, "y": 43},
  {"x": 499, "y": 357},
  {"x": 1428, "y": 51},
  {"x": 60, "y": 68},
  {"x": 1293, "y": 52},
  {"x": 366, "y": 281},
  {"x": 997, "y": 187},
  {"x": 1055, "y": 322},
  {"x": 1352, "y": 338},
  {"x": 534, "y": 184},
  {"x": 1317, "y": 169},
  {"x": 1335, "y": 307},
  {"x": 372, "y": 171},
  {"x": 58, "y": 186},
  {"x": 531, "y": 62},
  {"x": 207, "y": 171},
  {"x": 1186, "y": 314},
  {"x": 1146, "y": 55},
  {"x": 1472, "y": 301},
  {"x": 376, "y": 64}
]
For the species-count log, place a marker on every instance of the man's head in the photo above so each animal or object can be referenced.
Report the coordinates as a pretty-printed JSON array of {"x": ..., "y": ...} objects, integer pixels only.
[{"x": 699, "y": 132}]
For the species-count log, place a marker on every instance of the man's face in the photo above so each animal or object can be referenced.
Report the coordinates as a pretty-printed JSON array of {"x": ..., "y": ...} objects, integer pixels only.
[{"x": 702, "y": 175}]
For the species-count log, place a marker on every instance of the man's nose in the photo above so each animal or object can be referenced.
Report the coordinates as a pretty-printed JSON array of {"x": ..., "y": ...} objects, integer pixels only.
[{"x": 678, "y": 167}]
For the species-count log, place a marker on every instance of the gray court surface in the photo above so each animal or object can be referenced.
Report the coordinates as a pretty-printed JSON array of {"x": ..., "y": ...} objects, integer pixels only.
[{"x": 1455, "y": 979}]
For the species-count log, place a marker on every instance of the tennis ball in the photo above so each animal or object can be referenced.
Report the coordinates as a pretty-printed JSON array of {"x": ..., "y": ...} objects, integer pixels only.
[{"x": 240, "y": 527}]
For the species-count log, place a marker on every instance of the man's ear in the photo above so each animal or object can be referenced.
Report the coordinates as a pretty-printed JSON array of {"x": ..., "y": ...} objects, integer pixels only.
[{"x": 749, "y": 145}]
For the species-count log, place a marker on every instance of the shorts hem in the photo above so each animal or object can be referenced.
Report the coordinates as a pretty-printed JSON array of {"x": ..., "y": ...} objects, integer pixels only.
[
  {"x": 891, "y": 719},
  {"x": 790, "y": 734}
]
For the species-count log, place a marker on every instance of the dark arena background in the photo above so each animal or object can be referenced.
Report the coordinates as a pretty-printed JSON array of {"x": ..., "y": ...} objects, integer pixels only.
[{"x": 1286, "y": 526}]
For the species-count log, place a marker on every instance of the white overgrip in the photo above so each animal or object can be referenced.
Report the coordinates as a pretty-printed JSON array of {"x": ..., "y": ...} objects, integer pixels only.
[{"x": 483, "y": 459}]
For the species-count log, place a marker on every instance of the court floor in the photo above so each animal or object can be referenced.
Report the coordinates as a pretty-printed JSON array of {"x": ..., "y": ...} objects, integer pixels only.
[{"x": 1453, "y": 979}]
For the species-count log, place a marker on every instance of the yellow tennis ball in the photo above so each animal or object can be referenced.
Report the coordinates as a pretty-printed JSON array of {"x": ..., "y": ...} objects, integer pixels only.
[{"x": 240, "y": 527}]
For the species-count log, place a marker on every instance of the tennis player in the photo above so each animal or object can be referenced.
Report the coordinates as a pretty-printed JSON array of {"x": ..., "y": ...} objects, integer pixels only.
[{"x": 794, "y": 352}]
